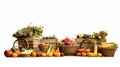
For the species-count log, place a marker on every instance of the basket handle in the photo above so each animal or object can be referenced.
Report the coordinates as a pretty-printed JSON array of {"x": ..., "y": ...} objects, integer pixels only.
[
  {"x": 24, "y": 40},
  {"x": 83, "y": 41},
  {"x": 15, "y": 42}
]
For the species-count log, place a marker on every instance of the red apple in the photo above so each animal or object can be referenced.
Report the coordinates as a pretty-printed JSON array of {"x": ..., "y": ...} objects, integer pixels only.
[
  {"x": 62, "y": 54},
  {"x": 39, "y": 53},
  {"x": 42, "y": 43},
  {"x": 8, "y": 53}
]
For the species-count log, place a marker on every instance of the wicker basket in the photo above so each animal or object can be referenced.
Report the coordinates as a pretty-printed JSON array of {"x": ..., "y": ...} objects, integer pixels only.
[
  {"x": 87, "y": 43},
  {"x": 43, "y": 48},
  {"x": 108, "y": 52},
  {"x": 68, "y": 50},
  {"x": 27, "y": 43}
]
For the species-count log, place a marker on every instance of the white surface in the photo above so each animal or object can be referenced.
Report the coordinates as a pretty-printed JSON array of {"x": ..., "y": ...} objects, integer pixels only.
[{"x": 62, "y": 18}]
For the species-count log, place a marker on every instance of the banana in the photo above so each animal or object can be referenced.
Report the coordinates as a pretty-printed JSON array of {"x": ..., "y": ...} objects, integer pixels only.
[
  {"x": 27, "y": 51},
  {"x": 95, "y": 49},
  {"x": 48, "y": 51}
]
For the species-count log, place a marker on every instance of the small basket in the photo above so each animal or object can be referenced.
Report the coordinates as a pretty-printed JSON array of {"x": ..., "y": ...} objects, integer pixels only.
[
  {"x": 68, "y": 50},
  {"x": 43, "y": 48},
  {"x": 108, "y": 52}
]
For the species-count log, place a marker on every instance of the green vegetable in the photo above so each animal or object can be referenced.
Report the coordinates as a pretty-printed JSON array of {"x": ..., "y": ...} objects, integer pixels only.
[{"x": 26, "y": 31}]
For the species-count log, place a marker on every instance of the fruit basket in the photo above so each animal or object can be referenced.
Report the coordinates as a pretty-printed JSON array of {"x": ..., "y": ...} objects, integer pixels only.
[
  {"x": 43, "y": 47},
  {"x": 68, "y": 46},
  {"x": 108, "y": 52},
  {"x": 68, "y": 50},
  {"x": 108, "y": 49}
]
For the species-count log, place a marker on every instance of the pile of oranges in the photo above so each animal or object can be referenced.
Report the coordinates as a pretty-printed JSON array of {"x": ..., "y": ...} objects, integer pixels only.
[
  {"x": 52, "y": 53},
  {"x": 86, "y": 52}
]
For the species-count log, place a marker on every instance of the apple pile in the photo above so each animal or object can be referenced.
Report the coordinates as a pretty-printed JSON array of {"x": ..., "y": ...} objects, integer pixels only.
[{"x": 67, "y": 41}]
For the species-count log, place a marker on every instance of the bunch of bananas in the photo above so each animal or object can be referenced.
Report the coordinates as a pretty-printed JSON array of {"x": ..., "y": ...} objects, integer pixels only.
[{"x": 109, "y": 45}]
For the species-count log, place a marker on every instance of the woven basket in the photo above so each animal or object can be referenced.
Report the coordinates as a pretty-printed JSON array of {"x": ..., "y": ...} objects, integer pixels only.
[
  {"x": 43, "y": 48},
  {"x": 108, "y": 52},
  {"x": 68, "y": 50},
  {"x": 87, "y": 44}
]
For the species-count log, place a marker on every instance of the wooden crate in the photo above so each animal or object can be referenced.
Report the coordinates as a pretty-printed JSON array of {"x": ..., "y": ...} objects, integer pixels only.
[{"x": 52, "y": 42}]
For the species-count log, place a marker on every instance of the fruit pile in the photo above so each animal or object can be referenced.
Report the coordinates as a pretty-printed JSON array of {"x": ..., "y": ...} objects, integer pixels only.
[
  {"x": 108, "y": 45},
  {"x": 86, "y": 52},
  {"x": 95, "y": 35},
  {"x": 32, "y": 53},
  {"x": 13, "y": 52},
  {"x": 67, "y": 41}
]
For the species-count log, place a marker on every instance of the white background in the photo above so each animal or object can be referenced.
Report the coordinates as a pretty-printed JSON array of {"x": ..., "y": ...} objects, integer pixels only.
[{"x": 62, "y": 18}]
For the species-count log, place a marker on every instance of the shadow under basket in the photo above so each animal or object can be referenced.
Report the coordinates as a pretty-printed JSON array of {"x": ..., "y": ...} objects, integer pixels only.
[{"x": 107, "y": 52}]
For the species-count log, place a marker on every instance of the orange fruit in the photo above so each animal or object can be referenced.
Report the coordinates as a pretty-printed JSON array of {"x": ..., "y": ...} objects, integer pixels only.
[
  {"x": 50, "y": 54},
  {"x": 34, "y": 54},
  {"x": 52, "y": 50},
  {"x": 78, "y": 54},
  {"x": 43, "y": 54},
  {"x": 57, "y": 54},
  {"x": 87, "y": 50},
  {"x": 17, "y": 52},
  {"x": 99, "y": 55},
  {"x": 81, "y": 50},
  {"x": 90, "y": 54},
  {"x": 83, "y": 54},
  {"x": 14, "y": 55}
]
